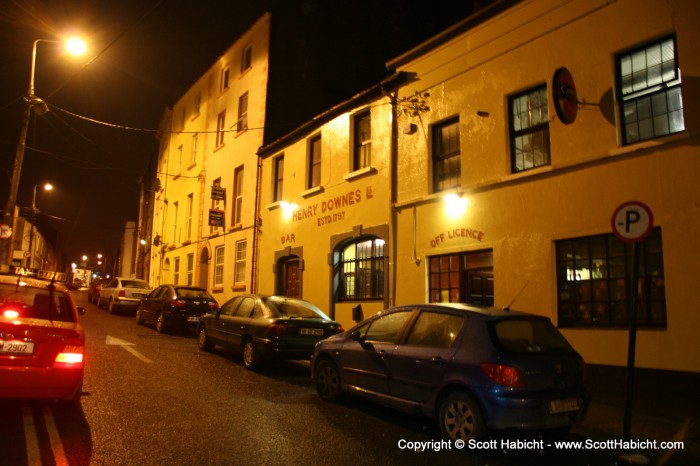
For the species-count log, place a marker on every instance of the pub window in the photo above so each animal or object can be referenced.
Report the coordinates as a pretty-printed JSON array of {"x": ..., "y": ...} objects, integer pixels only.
[
  {"x": 649, "y": 91},
  {"x": 529, "y": 129},
  {"x": 593, "y": 273},
  {"x": 363, "y": 141},
  {"x": 361, "y": 269},
  {"x": 446, "y": 156}
]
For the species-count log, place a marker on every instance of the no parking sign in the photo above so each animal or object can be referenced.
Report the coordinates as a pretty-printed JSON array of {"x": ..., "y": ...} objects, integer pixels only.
[{"x": 632, "y": 221}]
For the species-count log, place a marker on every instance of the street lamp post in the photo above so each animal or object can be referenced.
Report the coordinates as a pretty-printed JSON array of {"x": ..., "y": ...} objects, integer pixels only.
[
  {"x": 31, "y": 100},
  {"x": 30, "y": 258}
]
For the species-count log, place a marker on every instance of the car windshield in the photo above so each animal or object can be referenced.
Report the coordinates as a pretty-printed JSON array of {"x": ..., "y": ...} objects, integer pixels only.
[
  {"x": 529, "y": 336},
  {"x": 281, "y": 307},
  {"x": 134, "y": 284},
  {"x": 36, "y": 303},
  {"x": 192, "y": 293}
]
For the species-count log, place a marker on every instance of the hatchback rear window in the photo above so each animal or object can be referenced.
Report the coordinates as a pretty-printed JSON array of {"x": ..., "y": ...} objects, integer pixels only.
[
  {"x": 134, "y": 284},
  {"x": 192, "y": 293},
  {"x": 529, "y": 336},
  {"x": 292, "y": 308},
  {"x": 36, "y": 303}
]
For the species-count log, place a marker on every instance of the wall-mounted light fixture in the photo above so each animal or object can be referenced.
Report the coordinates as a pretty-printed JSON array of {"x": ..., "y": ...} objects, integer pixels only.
[
  {"x": 288, "y": 209},
  {"x": 455, "y": 205}
]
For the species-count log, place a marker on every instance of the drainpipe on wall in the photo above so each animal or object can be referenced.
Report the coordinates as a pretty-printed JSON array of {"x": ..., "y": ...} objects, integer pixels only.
[
  {"x": 256, "y": 229},
  {"x": 393, "y": 175}
]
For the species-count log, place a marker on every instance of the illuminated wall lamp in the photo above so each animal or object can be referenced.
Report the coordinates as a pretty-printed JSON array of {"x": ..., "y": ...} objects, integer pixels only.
[{"x": 455, "y": 205}]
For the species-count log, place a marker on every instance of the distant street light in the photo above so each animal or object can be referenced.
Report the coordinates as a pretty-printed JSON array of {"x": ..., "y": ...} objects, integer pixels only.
[
  {"x": 31, "y": 100},
  {"x": 30, "y": 259}
]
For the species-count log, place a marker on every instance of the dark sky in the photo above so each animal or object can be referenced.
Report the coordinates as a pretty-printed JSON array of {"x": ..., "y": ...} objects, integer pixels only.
[{"x": 143, "y": 55}]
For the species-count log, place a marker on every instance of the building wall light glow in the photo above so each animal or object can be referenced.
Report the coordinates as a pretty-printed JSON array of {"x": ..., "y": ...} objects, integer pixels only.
[
  {"x": 455, "y": 205},
  {"x": 288, "y": 209}
]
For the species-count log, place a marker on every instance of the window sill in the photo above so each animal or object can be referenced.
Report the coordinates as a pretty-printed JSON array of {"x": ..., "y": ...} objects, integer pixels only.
[
  {"x": 360, "y": 173},
  {"x": 238, "y": 287},
  {"x": 312, "y": 191},
  {"x": 237, "y": 226},
  {"x": 274, "y": 205},
  {"x": 217, "y": 289}
]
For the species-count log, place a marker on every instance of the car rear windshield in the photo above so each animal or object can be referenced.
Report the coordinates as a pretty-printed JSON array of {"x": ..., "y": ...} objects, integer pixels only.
[
  {"x": 36, "y": 303},
  {"x": 293, "y": 308},
  {"x": 192, "y": 293},
  {"x": 529, "y": 336},
  {"x": 134, "y": 284}
]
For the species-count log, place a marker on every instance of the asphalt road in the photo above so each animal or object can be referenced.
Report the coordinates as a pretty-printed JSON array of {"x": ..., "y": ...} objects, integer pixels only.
[{"x": 152, "y": 399}]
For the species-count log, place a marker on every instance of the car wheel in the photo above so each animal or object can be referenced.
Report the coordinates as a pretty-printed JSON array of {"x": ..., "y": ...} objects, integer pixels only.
[
  {"x": 460, "y": 418},
  {"x": 160, "y": 323},
  {"x": 250, "y": 355},
  {"x": 327, "y": 380},
  {"x": 203, "y": 340},
  {"x": 139, "y": 318}
]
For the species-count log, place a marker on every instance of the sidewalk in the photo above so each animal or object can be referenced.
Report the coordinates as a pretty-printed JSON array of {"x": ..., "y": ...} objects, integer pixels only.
[{"x": 666, "y": 408}]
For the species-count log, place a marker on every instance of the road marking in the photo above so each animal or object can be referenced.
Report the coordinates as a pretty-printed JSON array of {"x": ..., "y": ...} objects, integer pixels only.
[
  {"x": 127, "y": 346},
  {"x": 33, "y": 452},
  {"x": 55, "y": 438}
]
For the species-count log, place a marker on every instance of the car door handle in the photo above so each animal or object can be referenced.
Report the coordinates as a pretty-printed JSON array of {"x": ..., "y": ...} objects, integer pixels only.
[
  {"x": 437, "y": 360},
  {"x": 382, "y": 354}
]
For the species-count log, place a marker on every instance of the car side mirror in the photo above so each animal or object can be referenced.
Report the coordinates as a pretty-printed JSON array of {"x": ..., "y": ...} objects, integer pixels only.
[
  {"x": 357, "y": 337},
  {"x": 81, "y": 310}
]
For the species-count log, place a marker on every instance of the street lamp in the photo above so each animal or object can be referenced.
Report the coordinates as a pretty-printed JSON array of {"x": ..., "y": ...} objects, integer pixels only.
[
  {"x": 31, "y": 100},
  {"x": 30, "y": 258}
]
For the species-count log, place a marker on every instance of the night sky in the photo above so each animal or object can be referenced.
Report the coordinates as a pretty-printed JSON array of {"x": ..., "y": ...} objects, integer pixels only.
[{"x": 143, "y": 55}]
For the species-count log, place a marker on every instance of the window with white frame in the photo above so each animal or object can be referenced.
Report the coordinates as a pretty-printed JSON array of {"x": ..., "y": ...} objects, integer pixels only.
[
  {"x": 220, "y": 128},
  {"x": 190, "y": 269},
  {"x": 219, "y": 266},
  {"x": 314, "y": 166},
  {"x": 529, "y": 129},
  {"x": 240, "y": 263},
  {"x": 188, "y": 222},
  {"x": 363, "y": 141},
  {"x": 225, "y": 75},
  {"x": 447, "y": 163},
  {"x": 238, "y": 196},
  {"x": 649, "y": 91},
  {"x": 176, "y": 271},
  {"x": 242, "y": 123},
  {"x": 246, "y": 58},
  {"x": 193, "y": 152},
  {"x": 176, "y": 213},
  {"x": 277, "y": 178}
]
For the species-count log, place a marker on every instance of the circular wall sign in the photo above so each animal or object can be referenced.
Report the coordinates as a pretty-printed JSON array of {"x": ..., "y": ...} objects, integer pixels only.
[
  {"x": 5, "y": 231},
  {"x": 565, "y": 98},
  {"x": 632, "y": 221}
]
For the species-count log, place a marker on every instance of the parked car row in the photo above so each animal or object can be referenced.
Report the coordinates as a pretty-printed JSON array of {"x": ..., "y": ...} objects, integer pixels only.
[{"x": 474, "y": 369}]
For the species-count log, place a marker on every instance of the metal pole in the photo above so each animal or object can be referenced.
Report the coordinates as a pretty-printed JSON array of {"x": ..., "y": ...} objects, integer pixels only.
[{"x": 634, "y": 295}]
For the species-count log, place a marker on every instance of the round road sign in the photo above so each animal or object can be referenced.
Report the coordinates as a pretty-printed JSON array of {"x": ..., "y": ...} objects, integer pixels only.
[
  {"x": 632, "y": 221},
  {"x": 5, "y": 231}
]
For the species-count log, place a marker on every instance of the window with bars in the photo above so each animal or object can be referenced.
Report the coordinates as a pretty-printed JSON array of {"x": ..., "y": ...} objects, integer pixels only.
[
  {"x": 593, "y": 275},
  {"x": 649, "y": 91},
  {"x": 529, "y": 130},
  {"x": 362, "y": 269},
  {"x": 447, "y": 163}
]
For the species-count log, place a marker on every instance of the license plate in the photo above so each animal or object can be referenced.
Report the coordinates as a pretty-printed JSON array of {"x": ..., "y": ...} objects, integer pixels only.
[
  {"x": 193, "y": 319},
  {"x": 563, "y": 406},
  {"x": 138, "y": 295},
  {"x": 16, "y": 347},
  {"x": 311, "y": 331}
]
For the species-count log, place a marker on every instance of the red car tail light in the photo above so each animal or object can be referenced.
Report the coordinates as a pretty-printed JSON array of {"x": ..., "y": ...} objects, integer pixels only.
[
  {"x": 177, "y": 303},
  {"x": 276, "y": 329},
  {"x": 122, "y": 293},
  {"x": 72, "y": 354},
  {"x": 213, "y": 306},
  {"x": 508, "y": 376},
  {"x": 340, "y": 329},
  {"x": 10, "y": 313}
]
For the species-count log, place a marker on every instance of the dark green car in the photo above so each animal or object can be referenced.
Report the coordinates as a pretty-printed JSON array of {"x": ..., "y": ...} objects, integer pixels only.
[{"x": 266, "y": 328}]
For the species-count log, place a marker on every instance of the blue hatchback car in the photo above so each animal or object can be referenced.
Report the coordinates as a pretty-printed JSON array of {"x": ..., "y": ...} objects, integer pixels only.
[{"x": 473, "y": 368}]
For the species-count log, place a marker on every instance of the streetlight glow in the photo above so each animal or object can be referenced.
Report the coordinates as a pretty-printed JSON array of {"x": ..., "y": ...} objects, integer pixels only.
[{"x": 76, "y": 46}]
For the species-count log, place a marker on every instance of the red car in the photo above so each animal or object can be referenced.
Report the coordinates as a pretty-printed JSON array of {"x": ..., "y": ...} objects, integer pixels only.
[{"x": 42, "y": 344}]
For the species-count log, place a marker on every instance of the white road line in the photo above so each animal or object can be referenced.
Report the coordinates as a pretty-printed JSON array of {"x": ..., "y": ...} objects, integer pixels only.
[
  {"x": 137, "y": 354},
  {"x": 32, "y": 443},
  {"x": 55, "y": 438}
]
